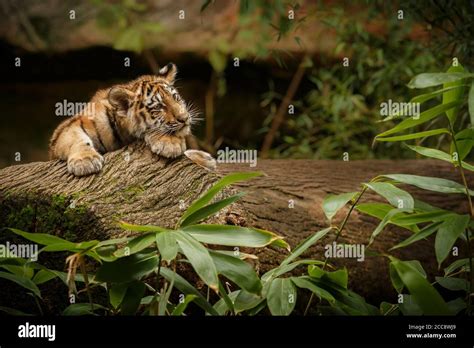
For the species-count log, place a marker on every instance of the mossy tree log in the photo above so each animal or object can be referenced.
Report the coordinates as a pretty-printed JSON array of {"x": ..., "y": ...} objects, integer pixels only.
[{"x": 138, "y": 187}]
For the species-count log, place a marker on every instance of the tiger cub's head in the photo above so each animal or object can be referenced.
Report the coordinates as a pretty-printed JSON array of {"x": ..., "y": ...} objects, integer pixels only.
[{"x": 151, "y": 102}]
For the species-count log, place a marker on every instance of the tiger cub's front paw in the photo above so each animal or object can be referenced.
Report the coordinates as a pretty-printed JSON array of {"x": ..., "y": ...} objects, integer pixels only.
[
  {"x": 85, "y": 163},
  {"x": 168, "y": 146}
]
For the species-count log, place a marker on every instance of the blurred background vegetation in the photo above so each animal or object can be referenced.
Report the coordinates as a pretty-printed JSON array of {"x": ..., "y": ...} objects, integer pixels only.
[{"x": 266, "y": 75}]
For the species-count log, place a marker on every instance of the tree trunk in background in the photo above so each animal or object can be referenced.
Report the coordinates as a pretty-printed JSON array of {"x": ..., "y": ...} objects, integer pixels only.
[{"x": 138, "y": 187}]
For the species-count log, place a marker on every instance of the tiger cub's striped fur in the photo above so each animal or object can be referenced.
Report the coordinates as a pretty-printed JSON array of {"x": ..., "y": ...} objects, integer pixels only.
[{"x": 148, "y": 108}]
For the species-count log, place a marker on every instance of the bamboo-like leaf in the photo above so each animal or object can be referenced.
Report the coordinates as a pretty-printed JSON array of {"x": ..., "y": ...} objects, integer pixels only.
[
  {"x": 141, "y": 228},
  {"x": 304, "y": 245},
  {"x": 415, "y": 135},
  {"x": 238, "y": 271},
  {"x": 455, "y": 94},
  {"x": 208, "y": 210},
  {"x": 234, "y": 236},
  {"x": 425, "y": 116},
  {"x": 26, "y": 283},
  {"x": 423, "y": 293},
  {"x": 209, "y": 195},
  {"x": 424, "y": 233},
  {"x": 429, "y": 183},
  {"x": 186, "y": 288},
  {"x": 127, "y": 268},
  {"x": 333, "y": 203},
  {"x": 281, "y": 296},
  {"x": 448, "y": 232},
  {"x": 199, "y": 258},
  {"x": 435, "y": 79},
  {"x": 306, "y": 283},
  {"x": 181, "y": 307},
  {"x": 167, "y": 245},
  {"x": 394, "y": 195},
  {"x": 384, "y": 222}
]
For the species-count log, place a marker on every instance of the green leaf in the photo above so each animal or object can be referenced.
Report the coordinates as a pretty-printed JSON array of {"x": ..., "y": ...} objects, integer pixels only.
[
  {"x": 429, "y": 183},
  {"x": 281, "y": 296},
  {"x": 333, "y": 203},
  {"x": 384, "y": 222},
  {"x": 424, "y": 233},
  {"x": 234, "y": 236},
  {"x": 431, "y": 216},
  {"x": 24, "y": 271},
  {"x": 167, "y": 245},
  {"x": 43, "y": 276},
  {"x": 422, "y": 292},
  {"x": 461, "y": 263},
  {"x": 222, "y": 306},
  {"x": 26, "y": 283},
  {"x": 127, "y": 269},
  {"x": 464, "y": 141},
  {"x": 137, "y": 244},
  {"x": 414, "y": 135},
  {"x": 285, "y": 268},
  {"x": 377, "y": 210},
  {"x": 339, "y": 277},
  {"x": 181, "y": 307},
  {"x": 209, "y": 195},
  {"x": 131, "y": 300},
  {"x": 448, "y": 232},
  {"x": 395, "y": 196},
  {"x": 395, "y": 278},
  {"x": 435, "y": 79},
  {"x": 453, "y": 284},
  {"x": 305, "y": 244},
  {"x": 425, "y": 116},
  {"x": 117, "y": 293},
  {"x": 141, "y": 228},
  {"x": 199, "y": 258},
  {"x": 421, "y": 98},
  {"x": 455, "y": 94},
  {"x": 186, "y": 288},
  {"x": 305, "y": 283},
  {"x": 432, "y": 153},
  {"x": 42, "y": 238},
  {"x": 208, "y": 210},
  {"x": 82, "y": 309},
  {"x": 245, "y": 301},
  {"x": 238, "y": 271}
]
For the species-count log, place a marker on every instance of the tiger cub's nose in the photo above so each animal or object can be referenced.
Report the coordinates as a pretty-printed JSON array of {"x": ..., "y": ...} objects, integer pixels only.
[{"x": 182, "y": 117}]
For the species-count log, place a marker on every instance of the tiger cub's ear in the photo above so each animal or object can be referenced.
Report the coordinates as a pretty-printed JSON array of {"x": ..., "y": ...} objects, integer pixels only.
[
  {"x": 120, "y": 98},
  {"x": 168, "y": 72}
]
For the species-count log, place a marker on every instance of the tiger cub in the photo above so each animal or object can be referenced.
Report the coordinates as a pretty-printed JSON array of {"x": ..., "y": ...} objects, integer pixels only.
[{"x": 148, "y": 108}]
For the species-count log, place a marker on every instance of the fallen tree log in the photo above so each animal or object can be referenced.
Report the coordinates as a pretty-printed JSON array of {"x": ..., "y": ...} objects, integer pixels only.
[{"x": 138, "y": 187}]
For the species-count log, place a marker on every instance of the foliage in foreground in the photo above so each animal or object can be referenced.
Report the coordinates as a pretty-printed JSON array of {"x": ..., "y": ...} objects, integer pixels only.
[
  {"x": 141, "y": 274},
  {"x": 417, "y": 295}
]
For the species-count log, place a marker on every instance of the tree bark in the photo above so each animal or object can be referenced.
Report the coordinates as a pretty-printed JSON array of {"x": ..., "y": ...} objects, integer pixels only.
[{"x": 138, "y": 187}]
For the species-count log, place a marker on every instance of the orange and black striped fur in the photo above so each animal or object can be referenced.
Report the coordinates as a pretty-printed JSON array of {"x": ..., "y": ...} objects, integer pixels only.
[{"x": 148, "y": 108}]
